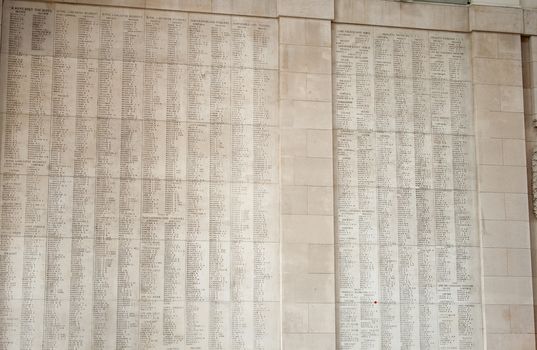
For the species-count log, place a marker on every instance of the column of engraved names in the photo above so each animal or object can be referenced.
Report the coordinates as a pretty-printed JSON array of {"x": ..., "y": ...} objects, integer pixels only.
[
  {"x": 25, "y": 115},
  {"x": 357, "y": 268},
  {"x": 60, "y": 194},
  {"x": 199, "y": 83},
  {"x": 50, "y": 265},
  {"x": 164, "y": 225},
  {"x": 118, "y": 180},
  {"x": 221, "y": 108},
  {"x": 165, "y": 79},
  {"x": 254, "y": 171},
  {"x": 71, "y": 178},
  {"x": 454, "y": 184}
]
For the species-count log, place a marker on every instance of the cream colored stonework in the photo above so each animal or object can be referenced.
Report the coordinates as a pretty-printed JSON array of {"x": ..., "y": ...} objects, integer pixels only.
[
  {"x": 267, "y": 174},
  {"x": 307, "y": 220},
  {"x": 147, "y": 144},
  {"x": 407, "y": 237}
]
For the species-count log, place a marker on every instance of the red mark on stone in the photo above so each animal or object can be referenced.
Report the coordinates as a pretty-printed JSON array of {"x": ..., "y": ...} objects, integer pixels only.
[{"x": 375, "y": 302}]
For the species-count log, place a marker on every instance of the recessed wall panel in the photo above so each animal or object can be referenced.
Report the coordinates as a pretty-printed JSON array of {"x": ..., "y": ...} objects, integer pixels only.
[
  {"x": 140, "y": 179},
  {"x": 407, "y": 242}
]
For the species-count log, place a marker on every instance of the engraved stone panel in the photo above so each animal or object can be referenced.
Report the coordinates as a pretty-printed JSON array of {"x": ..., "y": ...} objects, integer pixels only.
[
  {"x": 407, "y": 244},
  {"x": 139, "y": 179}
]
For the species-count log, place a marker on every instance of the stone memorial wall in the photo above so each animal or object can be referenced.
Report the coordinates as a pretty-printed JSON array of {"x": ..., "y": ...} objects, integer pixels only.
[{"x": 245, "y": 174}]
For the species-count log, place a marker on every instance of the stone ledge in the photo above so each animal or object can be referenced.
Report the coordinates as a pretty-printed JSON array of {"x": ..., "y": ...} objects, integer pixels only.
[
  {"x": 390, "y": 13},
  {"x": 530, "y": 21},
  {"x": 403, "y": 14},
  {"x": 496, "y": 19}
]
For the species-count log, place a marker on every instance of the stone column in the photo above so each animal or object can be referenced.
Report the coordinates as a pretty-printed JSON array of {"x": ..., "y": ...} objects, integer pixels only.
[
  {"x": 307, "y": 220},
  {"x": 529, "y": 60},
  {"x": 499, "y": 111}
]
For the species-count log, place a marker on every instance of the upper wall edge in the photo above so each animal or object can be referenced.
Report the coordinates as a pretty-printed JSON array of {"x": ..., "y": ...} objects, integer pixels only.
[{"x": 401, "y": 14}]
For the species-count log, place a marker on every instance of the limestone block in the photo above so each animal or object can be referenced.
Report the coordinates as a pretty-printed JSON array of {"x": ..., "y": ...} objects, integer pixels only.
[
  {"x": 321, "y": 258},
  {"x": 499, "y": 72},
  {"x": 496, "y": 19},
  {"x": 292, "y": 31},
  {"x": 487, "y": 97},
  {"x": 507, "y": 125},
  {"x": 402, "y": 14},
  {"x": 519, "y": 262},
  {"x": 511, "y": 341},
  {"x": 516, "y": 206},
  {"x": 350, "y": 11},
  {"x": 318, "y": 33},
  {"x": 313, "y": 171},
  {"x": 493, "y": 178},
  {"x": 504, "y": 3},
  {"x": 506, "y": 234},
  {"x": 319, "y": 87},
  {"x": 295, "y": 317},
  {"x": 509, "y": 46},
  {"x": 319, "y": 143},
  {"x": 306, "y": 8},
  {"x": 495, "y": 262},
  {"x": 287, "y": 168},
  {"x": 490, "y": 151},
  {"x": 301, "y": 31},
  {"x": 294, "y": 142},
  {"x": 184, "y": 5},
  {"x": 308, "y": 229},
  {"x": 514, "y": 152},
  {"x": 320, "y": 200},
  {"x": 321, "y": 318},
  {"x": 530, "y": 21},
  {"x": 315, "y": 341},
  {"x": 492, "y": 205},
  {"x": 433, "y": 16},
  {"x": 387, "y": 13},
  {"x": 522, "y": 319},
  {"x": 293, "y": 86},
  {"x": 294, "y": 200},
  {"x": 307, "y": 59},
  {"x": 295, "y": 257},
  {"x": 122, "y": 3},
  {"x": 508, "y": 290},
  {"x": 512, "y": 98},
  {"x": 306, "y": 114},
  {"x": 485, "y": 44},
  {"x": 308, "y": 288},
  {"x": 498, "y": 318},
  {"x": 305, "y": 86},
  {"x": 265, "y": 8}
]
